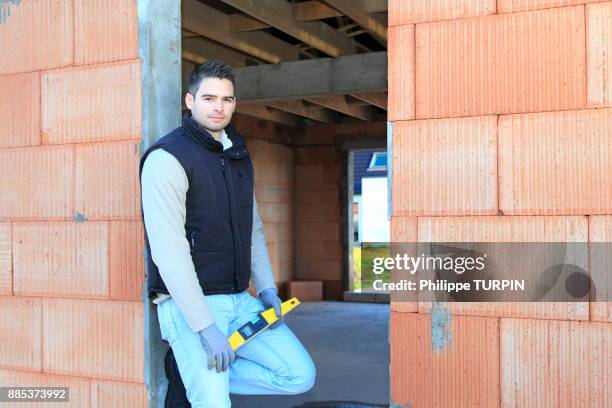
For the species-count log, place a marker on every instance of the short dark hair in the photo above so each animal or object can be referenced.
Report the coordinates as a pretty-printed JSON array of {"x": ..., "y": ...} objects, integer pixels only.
[{"x": 209, "y": 69}]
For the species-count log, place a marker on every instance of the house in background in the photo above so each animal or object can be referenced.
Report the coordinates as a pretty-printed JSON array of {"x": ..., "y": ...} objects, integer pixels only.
[{"x": 371, "y": 223}]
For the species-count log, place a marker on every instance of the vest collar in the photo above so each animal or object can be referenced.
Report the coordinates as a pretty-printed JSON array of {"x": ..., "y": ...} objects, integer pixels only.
[{"x": 203, "y": 137}]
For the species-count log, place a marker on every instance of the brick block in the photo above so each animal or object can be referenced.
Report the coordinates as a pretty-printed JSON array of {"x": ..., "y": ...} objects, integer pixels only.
[
  {"x": 126, "y": 260},
  {"x": 319, "y": 187},
  {"x": 305, "y": 291},
  {"x": 512, "y": 6},
  {"x": 600, "y": 239},
  {"x": 445, "y": 167},
  {"x": 316, "y": 231},
  {"x": 320, "y": 134},
  {"x": 317, "y": 196},
  {"x": 264, "y": 151},
  {"x": 556, "y": 163},
  {"x": 60, "y": 259},
  {"x": 331, "y": 173},
  {"x": 105, "y": 31},
  {"x": 107, "y": 184},
  {"x": 276, "y": 174},
  {"x": 278, "y": 231},
  {"x": 417, "y": 11},
  {"x": 41, "y": 185},
  {"x": 479, "y": 66},
  {"x": 323, "y": 270},
  {"x": 302, "y": 155},
  {"x": 37, "y": 35},
  {"x": 317, "y": 212},
  {"x": 444, "y": 361},
  {"x": 400, "y": 63},
  {"x": 555, "y": 363},
  {"x": 266, "y": 192},
  {"x": 302, "y": 268},
  {"x": 20, "y": 333},
  {"x": 318, "y": 250},
  {"x": 285, "y": 272},
  {"x": 78, "y": 395},
  {"x": 308, "y": 174},
  {"x": 317, "y": 270},
  {"x": 20, "y": 110},
  {"x": 275, "y": 212},
  {"x": 511, "y": 229},
  {"x": 6, "y": 259},
  {"x": 286, "y": 251},
  {"x": 280, "y": 251},
  {"x": 118, "y": 394},
  {"x": 332, "y": 250},
  {"x": 503, "y": 229},
  {"x": 94, "y": 338},
  {"x": 599, "y": 54},
  {"x": 92, "y": 103},
  {"x": 317, "y": 155},
  {"x": 309, "y": 251},
  {"x": 403, "y": 234},
  {"x": 403, "y": 229}
]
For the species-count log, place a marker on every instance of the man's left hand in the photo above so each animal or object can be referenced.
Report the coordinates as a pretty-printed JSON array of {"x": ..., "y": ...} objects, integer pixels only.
[{"x": 269, "y": 298}]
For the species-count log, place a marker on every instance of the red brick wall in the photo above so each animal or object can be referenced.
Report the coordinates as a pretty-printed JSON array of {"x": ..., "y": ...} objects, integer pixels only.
[
  {"x": 501, "y": 132},
  {"x": 274, "y": 191},
  {"x": 273, "y": 161},
  {"x": 71, "y": 266},
  {"x": 318, "y": 243},
  {"x": 319, "y": 182}
]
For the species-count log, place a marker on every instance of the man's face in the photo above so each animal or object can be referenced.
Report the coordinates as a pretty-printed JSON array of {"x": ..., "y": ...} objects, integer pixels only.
[{"x": 213, "y": 105}]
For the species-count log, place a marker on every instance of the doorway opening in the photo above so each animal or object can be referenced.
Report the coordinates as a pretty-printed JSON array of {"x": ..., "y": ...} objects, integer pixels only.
[{"x": 368, "y": 223}]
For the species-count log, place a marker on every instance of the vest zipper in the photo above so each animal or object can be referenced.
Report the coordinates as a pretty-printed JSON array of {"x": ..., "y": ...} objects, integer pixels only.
[
  {"x": 192, "y": 241},
  {"x": 236, "y": 244}
]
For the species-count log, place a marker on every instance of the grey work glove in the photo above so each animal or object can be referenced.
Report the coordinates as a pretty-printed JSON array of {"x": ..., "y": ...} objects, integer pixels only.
[
  {"x": 220, "y": 353},
  {"x": 269, "y": 298}
]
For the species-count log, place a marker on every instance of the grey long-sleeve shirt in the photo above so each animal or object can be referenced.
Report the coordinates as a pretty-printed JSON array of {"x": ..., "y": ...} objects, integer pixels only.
[{"x": 164, "y": 188}]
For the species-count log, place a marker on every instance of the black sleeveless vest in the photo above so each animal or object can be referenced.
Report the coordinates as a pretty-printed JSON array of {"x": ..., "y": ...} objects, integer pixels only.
[{"x": 219, "y": 207}]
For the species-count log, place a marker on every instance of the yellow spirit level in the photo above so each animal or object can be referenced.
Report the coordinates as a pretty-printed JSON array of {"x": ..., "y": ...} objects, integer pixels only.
[{"x": 260, "y": 323}]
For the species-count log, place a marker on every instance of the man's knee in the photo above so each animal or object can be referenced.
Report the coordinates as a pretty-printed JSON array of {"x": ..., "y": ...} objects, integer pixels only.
[
  {"x": 297, "y": 379},
  {"x": 305, "y": 381}
]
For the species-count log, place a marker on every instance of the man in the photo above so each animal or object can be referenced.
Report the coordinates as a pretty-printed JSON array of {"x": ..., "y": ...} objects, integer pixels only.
[{"x": 206, "y": 240}]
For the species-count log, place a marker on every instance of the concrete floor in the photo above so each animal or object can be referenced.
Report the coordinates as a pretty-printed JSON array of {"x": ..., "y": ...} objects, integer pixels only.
[{"x": 349, "y": 343}]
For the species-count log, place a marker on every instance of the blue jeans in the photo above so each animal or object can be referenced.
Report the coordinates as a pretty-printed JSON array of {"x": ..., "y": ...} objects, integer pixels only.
[{"x": 274, "y": 362}]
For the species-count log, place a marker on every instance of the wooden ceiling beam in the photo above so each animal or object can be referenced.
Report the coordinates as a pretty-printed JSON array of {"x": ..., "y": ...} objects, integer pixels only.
[
  {"x": 279, "y": 14},
  {"x": 373, "y": 98},
  {"x": 340, "y": 104},
  {"x": 298, "y": 107},
  {"x": 188, "y": 34},
  {"x": 312, "y": 11},
  {"x": 360, "y": 16},
  {"x": 210, "y": 23},
  {"x": 316, "y": 77},
  {"x": 263, "y": 112},
  {"x": 240, "y": 23},
  {"x": 315, "y": 10},
  {"x": 199, "y": 50}
]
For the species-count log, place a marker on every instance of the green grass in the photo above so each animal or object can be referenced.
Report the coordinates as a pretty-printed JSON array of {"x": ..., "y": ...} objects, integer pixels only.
[{"x": 364, "y": 276}]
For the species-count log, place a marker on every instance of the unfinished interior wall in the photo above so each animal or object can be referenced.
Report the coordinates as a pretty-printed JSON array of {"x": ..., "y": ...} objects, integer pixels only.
[
  {"x": 317, "y": 217},
  {"x": 320, "y": 190},
  {"x": 273, "y": 160},
  {"x": 501, "y": 133},
  {"x": 71, "y": 262}
]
